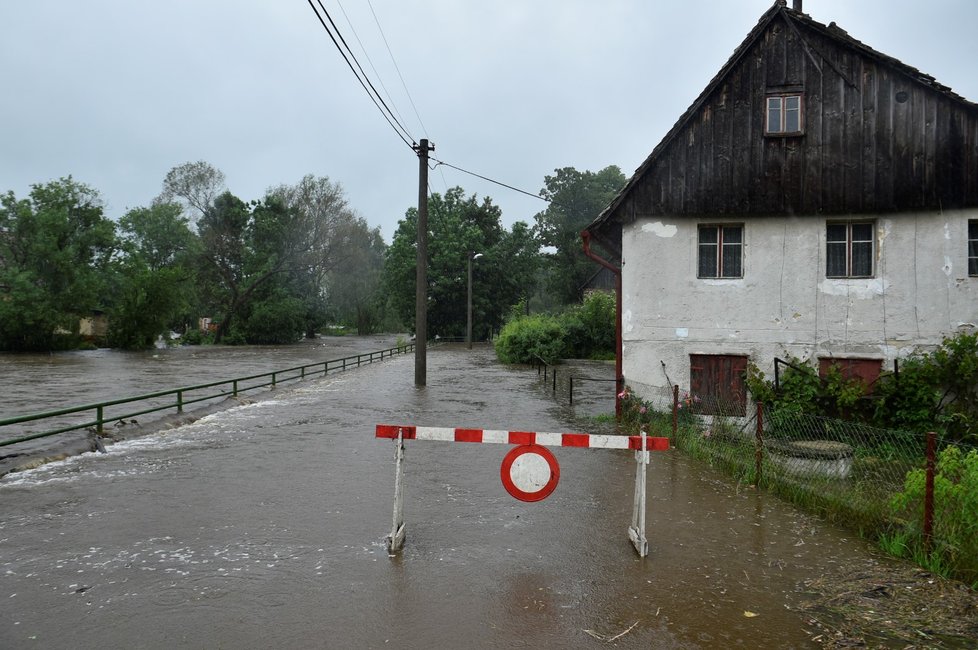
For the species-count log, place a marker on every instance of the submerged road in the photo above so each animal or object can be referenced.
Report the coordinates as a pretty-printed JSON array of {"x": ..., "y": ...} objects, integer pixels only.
[{"x": 263, "y": 525}]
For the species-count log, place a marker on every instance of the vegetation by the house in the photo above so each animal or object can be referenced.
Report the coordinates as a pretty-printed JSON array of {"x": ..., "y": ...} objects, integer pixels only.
[{"x": 585, "y": 331}]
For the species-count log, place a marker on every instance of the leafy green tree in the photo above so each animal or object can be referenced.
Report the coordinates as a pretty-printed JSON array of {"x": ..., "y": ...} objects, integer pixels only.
[
  {"x": 55, "y": 249},
  {"x": 576, "y": 199},
  {"x": 240, "y": 251},
  {"x": 460, "y": 226},
  {"x": 153, "y": 285}
]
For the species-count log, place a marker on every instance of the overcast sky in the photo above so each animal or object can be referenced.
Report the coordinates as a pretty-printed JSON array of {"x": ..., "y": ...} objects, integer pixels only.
[{"x": 117, "y": 92}]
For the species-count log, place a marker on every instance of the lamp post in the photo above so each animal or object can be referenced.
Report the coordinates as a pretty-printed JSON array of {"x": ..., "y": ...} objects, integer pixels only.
[{"x": 468, "y": 325}]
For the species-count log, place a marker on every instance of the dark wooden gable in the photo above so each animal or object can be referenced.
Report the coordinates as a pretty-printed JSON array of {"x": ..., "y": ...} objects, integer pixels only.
[{"x": 879, "y": 136}]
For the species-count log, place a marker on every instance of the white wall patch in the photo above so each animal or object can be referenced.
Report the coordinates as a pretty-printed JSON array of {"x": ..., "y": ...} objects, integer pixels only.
[{"x": 660, "y": 229}]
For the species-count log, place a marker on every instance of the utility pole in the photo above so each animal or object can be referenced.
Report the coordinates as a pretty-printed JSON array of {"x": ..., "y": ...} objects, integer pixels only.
[
  {"x": 421, "y": 289},
  {"x": 468, "y": 323}
]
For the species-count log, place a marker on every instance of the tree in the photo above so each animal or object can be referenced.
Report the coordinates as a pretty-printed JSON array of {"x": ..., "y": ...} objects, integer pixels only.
[
  {"x": 460, "y": 225},
  {"x": 330, "y": 231},
  {"x": 576, "y": 199},
  {"x": 273, "y": 250},
  {"x": 196, "y": 184},
  {"x": 153, "y": 282},
  {"x": 55, "y": 248},
  {"x": 354, "y": 287}
]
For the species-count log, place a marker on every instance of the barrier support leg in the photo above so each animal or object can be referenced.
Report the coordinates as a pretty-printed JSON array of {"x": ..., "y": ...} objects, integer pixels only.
[
  {"x": 395, "y": 541},
  {"x": 636, "y": 532}
]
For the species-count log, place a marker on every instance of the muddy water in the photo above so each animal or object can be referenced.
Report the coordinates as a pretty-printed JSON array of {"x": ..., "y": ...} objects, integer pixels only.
[
  {"x": 34, "y": 383},
  {"x": 262, "y": 526}
]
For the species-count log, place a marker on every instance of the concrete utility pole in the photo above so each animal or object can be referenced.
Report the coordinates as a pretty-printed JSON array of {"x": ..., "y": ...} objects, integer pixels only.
[{"x": 421, "y": 289}]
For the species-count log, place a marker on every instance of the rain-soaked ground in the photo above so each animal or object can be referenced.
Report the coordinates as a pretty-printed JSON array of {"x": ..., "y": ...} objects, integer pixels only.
[{"x": 263, "y": 525}]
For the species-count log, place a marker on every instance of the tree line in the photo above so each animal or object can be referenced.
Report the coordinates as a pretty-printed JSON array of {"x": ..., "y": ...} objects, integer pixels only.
[{"x": 274, "y": 269}]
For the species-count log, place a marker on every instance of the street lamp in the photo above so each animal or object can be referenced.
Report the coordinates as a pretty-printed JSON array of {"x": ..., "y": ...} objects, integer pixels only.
[{"x": 468, "y": 326}]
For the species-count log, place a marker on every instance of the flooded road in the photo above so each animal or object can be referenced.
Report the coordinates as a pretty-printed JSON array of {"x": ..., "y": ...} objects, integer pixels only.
[{"x": 263, "y": 526}]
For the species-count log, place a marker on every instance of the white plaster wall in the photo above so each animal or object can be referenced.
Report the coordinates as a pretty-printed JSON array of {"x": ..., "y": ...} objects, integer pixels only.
[{"x": 784, "y": 304}]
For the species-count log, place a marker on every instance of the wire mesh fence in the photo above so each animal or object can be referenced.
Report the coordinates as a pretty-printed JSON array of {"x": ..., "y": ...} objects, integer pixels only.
[{"x": 881, "y": 482}]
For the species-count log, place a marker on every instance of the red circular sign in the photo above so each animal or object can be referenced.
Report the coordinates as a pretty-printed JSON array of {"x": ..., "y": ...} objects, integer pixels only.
[{"x": 530, "y": 472}]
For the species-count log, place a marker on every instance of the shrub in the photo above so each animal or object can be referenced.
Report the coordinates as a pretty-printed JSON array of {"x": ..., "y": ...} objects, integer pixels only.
[
  {"x": 590, "y": 327},
  {"x": 938, "y": 390},
  {"x": 530, "y": 339},
  {"x": 955, "y": 511},
  {"x": 274, "y": 321}
]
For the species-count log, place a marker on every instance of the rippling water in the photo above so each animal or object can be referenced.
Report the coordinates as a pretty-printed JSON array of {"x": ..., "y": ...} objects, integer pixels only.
[{"x": 263, "y": 525}]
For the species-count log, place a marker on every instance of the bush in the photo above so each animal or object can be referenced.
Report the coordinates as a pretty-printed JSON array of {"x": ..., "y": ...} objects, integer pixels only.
[
  {"x": 955, "y": 511},
  {"x": 530, "y": 339},
  {"x": 274, "y": 321},
  {"x": 590, "y": 327},
  {"x": 585, "y": 331},
  {"x": 936, "y": 391}
]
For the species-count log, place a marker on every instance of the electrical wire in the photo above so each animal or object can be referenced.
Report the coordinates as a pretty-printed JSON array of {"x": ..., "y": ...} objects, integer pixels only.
[
  {"x": 378, "y": 101},
  {"x": 380, "y": 80},
  {"x": 396, "y": 67},
  {"x": 491, "y": 180}
]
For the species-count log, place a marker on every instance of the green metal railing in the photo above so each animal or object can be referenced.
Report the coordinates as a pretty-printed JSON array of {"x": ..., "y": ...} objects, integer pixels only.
[{"x": 188, "y": 395}]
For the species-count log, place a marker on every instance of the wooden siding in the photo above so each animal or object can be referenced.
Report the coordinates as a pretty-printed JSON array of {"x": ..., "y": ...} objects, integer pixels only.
[{"x": 876, "y": 138}]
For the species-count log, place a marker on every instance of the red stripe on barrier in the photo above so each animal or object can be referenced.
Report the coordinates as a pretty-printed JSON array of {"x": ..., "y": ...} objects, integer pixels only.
[
  {"x": 575, "y": 440},
  {"x": 651, "y": 443},
  {"x": 468, "y": 435},
  {"x": 522, "y": 438},
  {"x": 390, "y": 431}
]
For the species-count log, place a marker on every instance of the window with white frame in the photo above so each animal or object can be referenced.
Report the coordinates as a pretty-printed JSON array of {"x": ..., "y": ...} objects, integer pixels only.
[
  {"x": 721, "y": 251},
  {"x": 783, "y": 115},
  {"x": 849, "y": 249},
  {"x": 972, "y": 246}
]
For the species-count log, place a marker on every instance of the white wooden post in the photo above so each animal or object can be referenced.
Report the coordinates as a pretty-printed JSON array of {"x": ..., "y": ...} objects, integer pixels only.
[
  {"x": 636, "y": 532},
  {"x": 395, "y": 541}
]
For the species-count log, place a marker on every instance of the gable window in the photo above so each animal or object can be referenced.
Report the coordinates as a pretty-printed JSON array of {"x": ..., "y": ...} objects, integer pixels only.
[
  {"x": 972, "y": 246},
  {"x": 849, "y": 249},
  {"x": 721, "y": 252},
  {"x": 716, "y": 382},
  {"x": 783, "y": 115}
]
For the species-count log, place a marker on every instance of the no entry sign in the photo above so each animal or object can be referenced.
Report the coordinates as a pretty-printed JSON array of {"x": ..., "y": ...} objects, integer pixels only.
[{"x": 530, "y": 472}]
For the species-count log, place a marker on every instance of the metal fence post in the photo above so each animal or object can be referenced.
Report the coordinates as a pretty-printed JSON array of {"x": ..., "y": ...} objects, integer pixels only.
[
  {"x": 555, "y": 382},
  {"x": 273, "y": 380},
  {"x": 98, "y": 416},
  {"x": 759, "y": 444},
  {"x": 179, "y": 401},
  {"x": 929, "y": 492},
  {"x": 234, "y": 388},
  {"x": 571, "y": 390},
  {"x": 675, "y": 410}
]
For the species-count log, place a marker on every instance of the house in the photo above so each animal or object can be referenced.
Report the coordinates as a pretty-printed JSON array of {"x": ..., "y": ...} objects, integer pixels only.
[{"x": 819, "y": 199}]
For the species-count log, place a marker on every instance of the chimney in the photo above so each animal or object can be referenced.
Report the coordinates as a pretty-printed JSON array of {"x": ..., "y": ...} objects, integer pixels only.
[{"x": 796, "y": 5}]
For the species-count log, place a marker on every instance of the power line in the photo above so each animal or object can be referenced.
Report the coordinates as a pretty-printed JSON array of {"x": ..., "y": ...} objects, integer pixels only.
[
  {"x": 363, "y": 49},
  {"x": 396, "y": 67},
  {"x": 491, "y": 180},
  {"x": 364, "y": 81}
]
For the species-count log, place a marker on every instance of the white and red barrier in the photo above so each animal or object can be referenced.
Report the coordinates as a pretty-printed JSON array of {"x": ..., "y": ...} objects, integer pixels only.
[{"x": 529, "y": 472}]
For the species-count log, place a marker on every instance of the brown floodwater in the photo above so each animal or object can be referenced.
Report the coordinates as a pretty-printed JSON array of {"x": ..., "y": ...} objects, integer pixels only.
[{"x": 263, "y": 525}]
